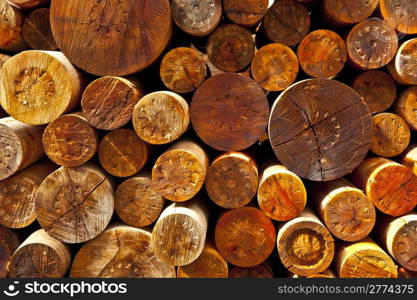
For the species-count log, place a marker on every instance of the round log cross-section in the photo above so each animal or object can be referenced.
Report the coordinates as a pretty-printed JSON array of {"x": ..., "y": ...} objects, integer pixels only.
[{"x": 400, "y": 14}]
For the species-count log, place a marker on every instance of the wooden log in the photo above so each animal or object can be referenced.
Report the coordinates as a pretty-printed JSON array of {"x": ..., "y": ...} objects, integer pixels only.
[
  {"x": 108, "y": 102},
  {"x": 403, "y": 67},
  {"x": 122, "y": 153},
  {"x": 345, "y": 210},
  {"x": 368, "y": 51},
  {"x": 400, "y": 14},
  {"x": 245, "y": 13},
  {"x": 230, "y": 48},
  {"x": 305, "y": 246},
  {"x": 282, "y": 195},
  {"x": 20, "y": 146},
  {"x": 391, "y": 135},
  {"x": 40, "y": 256},
  {"x": 377, "y": 88},
  {"x": 322, "y": 53},
  {"x": 37, "y": 31},
  {"x": 120, "y": 252},
  {"x": 183, "y": 70},
  {"x": 232, "y": 180},
  {"x": 9, "y": 242},
  {"x": 11, "y": 21},
  {"x": 17, "y": 195},
  {"x": 406, "y": 106},
  {"x": 210, "y": 264},
  {"x": 3, "y": 59},
  {"x": 312, "y": 134},
  {"x": 74, "y": 205},
  {"x": 347, "y": 12},
  {"x": 409, "y": 158},
  {"x": 245, "y": 236},
  {"x": 36, "y": 87},
  {"x": 229, "y": 112},
  {"x": 364, "y": 259},
  {"x": 390, "y": 186},
  {"x": 179, "y": 235},
  {"x": 179, "y": 173},
  {"x": 70, "y": 141},
  {"x": 161, "y": 117},
  {"x": 28, "y": 4},
  {"x": 136, "y": 201},
  {"x": 286, "y": 22},
  {"x": 275, "y": 67},
  {"x": 114, "y": 30},
  {"x": 197, "y": 17},
  {"x": 260, "y": 271}
]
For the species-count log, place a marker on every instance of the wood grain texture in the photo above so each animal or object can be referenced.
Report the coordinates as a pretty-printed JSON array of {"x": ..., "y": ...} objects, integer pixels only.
[
  {"x": 37, "y": 31},
  {"x": 317, "y": 137},
  {"x": 347, "y": 12},
  {"x": 40, "y": 256},
  {"x": 3, "y": 59},
  {"x": 74, "y": 205},
  {"x": 120, "y": 252},
  {"x": 409, "y": 157},
  {"x": 113, "y": 29},
  {"x": 11, "y": 21},
  {"x": 122, "y": 153},
  {"x": 400, "y": 14},
  {"x": 245, "y": 12},
  {"x": 245, "y": 236},
  {"x": 282, "y": 195},
  {"x": 260, "y": 271},
  {"x": 9, "y": 242},
  {"x": 36, "y": 87},
  {"x": 232, "y": 180},
  {"x": 229, "y": 112},
  {"x": 28, "y": 4},
  {"x": 403, "y": 67},
  {"x": 406, "y": 106}
]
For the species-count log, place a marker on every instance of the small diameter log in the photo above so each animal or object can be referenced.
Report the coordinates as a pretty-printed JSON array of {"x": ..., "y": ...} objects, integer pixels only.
[
  {"x": 348, "y": 12},
  {"x": 229, "y": 112},
  {"x": 391, "y": 135},
  {"x": 245, "y": 236},
  {"x": 275, "y": 67},
  {"x": 120, "y": 252},
  {"x": 406, "y": 106},
  {"x": 37, "y": 30},
  {"x": 108, "y": 102},
  {"x": 70, "y": 141},
  {"x": 122, "y": 153},
  {"x": 36, "y": 87},
  {"x": 3, "y": 59},
  {"x": 281, "y": 195},
  {"x": 404, "y": 67},
  {"x": 136, "y": 201},
  {"x": 305, "y": 246},
  {"x": 11, "y": 21},
  {"x": 377, "y": 88},
  {"x": 345, "y": 210},
  {"x": 161, "y": 117},
  {"x": 20, "y": 146},
  {"x": 74, "y": 205},
  {"x": 17, "y": 195},
  {"x": 245, "y": 12},
  {"x": 364, "y": 259},
  {"x": 210, "y": 264},
  {"x": 400, "y": 14},
  {"x": 114, "y": 30},
  {"x": 390, "y": 186},
  {"x": 180, "y": 172},
  {"x": 197, "y": 17},
  {"x": 260, "y": 271},
  {"x": 28, "y": 4},
  {"x": 409, "y": 158},
  {"x": 179, "y": 235},
  {"x": 371, "y": 44},
  {"x": 230, "y": 48},
  {"x": 317, "y": 137},
  {"x": 40, "y": 256},
  {"x": 9, "y": 242},
  {"x": 232, "y": 180},
  {"x": 322, "y": 53},
  {"x": 286, "y": 22}
]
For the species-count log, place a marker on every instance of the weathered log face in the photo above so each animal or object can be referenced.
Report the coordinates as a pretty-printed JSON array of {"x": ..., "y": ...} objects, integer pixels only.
[
  {"x": 400, "y": 14},
  {"x": 9, "y": 242},
  {"x": 11, "y": 21},
  {"x": 347, "y": 12},
  {"x": 37, "y": 31},
  {"x": 406, "y": 106},
  {"x": 403, "y": 67},
  {"x": 245, "y": 12}
]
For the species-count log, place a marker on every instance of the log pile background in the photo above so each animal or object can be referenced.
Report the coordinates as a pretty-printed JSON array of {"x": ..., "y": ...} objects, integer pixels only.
[{"x": 208, "y": 138}]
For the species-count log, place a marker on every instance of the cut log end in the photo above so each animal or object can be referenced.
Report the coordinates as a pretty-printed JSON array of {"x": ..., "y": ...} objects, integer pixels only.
[
  {"x": 403, "y": 67},
  {"x": 400, "y": 14},
  {"x": 37, "y": 30},
  {"x": 247, "y": 12},
  {"x": 346, "y": 12},
  {"x": 406, "y": 106}
]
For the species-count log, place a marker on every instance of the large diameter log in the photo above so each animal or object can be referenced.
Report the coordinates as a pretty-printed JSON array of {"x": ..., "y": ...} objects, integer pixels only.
[
  {"x": 406, "y": 106},
  {"x": 11, "y": 21},
  {"x": 260, "y": 271},
  {"x": 114, "y": 30},
  {"x": 245, "y": 12},
  {"x": 305, "y": 246},
  {"x": 400, "y": 14},
  {"x": 345, "y": 210},
  {"x": 37, "y": 31},
  {"x": 229, "y": 112},
  {"x": 390, "y": 186},
  {"x": 20, "y": 146},
  {"x": 317, "y": 137},
  {"x": 404, "y": 67},
  {"x": 179, "y": 235},
  {"x": 282, "y": 195},
  {"x": 74, "y": 205},
  {"x": 40, "y": 256},
  {"x": 9, "y": 242},
  {"x": 36, "y": 87},
  {"x": 245, "y": 236},
  {"x": 120, "y": 252},
  {"x": 17, "y": 195},
  {"x": 232, "y": 180},
  {"x": 348, "y": 12},
  {"x": 70, "y": 141},
  {"x": 28, "y": 4},
  {"x": 179, "y": 173}
]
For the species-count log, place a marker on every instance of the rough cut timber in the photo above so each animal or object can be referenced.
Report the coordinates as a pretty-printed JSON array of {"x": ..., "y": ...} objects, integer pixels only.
[
  {"x": 245, "y": 12},
  {"x": 9, "y": 242},
  {"x": 404, "y": 67},
  {"x": 11, "y": 21},
  {"x": 406, "y": 106},
  {"x": 409, "y": 158},
  {"x": 348, "y": 12},
  {"x": 37, "y": 31},
  {"x": 400, "y": 14}
]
